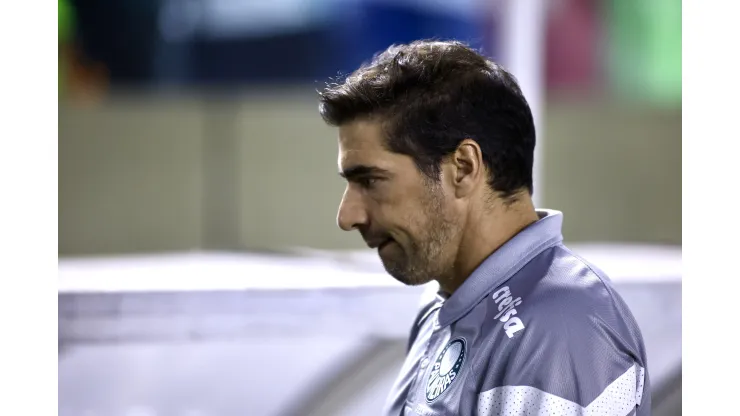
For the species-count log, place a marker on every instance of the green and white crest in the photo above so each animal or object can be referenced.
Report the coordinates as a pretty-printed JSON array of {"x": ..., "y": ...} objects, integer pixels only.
[{"x": 446, "y": 368}]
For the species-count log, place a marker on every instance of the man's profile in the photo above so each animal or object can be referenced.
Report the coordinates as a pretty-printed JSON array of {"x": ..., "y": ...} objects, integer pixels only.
[{"x": 436, "y": 144}]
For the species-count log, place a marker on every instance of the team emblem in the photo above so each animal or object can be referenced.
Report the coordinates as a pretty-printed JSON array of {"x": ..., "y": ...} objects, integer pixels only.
[{"x": 446, "y": 368}]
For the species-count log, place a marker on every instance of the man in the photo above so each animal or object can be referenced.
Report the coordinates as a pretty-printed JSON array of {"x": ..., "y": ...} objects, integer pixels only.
[{"x": 436, "y": 144}]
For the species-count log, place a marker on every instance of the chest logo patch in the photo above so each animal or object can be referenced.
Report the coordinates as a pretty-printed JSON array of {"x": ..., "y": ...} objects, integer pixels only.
[{"x": 446, "y": 369}]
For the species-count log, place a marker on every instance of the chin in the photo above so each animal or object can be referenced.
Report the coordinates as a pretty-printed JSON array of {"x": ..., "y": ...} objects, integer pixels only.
[{"x": 408, "y": 279}]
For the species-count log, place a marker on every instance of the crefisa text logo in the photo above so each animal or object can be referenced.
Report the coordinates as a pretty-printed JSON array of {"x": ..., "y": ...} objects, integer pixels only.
[{"x": 446, "y": 368}]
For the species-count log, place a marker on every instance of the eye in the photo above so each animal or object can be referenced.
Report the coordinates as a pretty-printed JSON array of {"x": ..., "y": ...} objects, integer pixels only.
[{"x": 368, "y": 182}]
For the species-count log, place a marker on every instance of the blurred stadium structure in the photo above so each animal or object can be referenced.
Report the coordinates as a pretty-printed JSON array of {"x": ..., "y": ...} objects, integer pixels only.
[{"x": 201, "y": 271}]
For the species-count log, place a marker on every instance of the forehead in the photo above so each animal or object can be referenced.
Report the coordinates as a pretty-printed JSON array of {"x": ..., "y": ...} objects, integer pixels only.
[{"x": 361, "y": 143}]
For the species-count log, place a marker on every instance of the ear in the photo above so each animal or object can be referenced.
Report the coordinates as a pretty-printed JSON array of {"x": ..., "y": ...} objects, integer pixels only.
[{"x": 467, "y": 170}]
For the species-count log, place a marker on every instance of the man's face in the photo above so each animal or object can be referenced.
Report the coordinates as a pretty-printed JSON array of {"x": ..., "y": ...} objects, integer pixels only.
[{"x": 406, "y": 216}]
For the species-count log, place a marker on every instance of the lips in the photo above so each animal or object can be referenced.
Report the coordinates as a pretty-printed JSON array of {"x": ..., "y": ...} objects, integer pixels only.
[
  {"x": 385, "y": 243},
  {"x": 379, "y": 244}
]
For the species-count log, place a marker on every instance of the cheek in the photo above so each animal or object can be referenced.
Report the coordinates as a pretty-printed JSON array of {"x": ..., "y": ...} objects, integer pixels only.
[
  {"x": 404, "y": 210},
  {"x": 400, "y": 221},
  {"x": 416, "y": 228},
  {"x": 388, "y": 204}
]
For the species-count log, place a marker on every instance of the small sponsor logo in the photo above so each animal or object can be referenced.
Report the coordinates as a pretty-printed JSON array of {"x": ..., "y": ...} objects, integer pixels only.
[{"x": 507, "y": 309}]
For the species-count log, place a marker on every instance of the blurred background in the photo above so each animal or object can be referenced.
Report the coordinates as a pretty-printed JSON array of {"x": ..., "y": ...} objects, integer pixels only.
[{"x": 201, "y": 271}]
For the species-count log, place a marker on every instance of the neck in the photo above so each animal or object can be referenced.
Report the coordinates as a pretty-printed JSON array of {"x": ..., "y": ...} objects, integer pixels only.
[{"x": 485, "y": 231}]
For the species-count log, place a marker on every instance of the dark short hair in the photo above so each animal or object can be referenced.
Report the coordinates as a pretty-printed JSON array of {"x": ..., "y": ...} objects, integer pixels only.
[{"x": 431, "y": 95}]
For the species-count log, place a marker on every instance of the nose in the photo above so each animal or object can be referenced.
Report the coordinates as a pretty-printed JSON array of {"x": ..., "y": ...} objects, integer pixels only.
[{"x": 352, "y": 213}]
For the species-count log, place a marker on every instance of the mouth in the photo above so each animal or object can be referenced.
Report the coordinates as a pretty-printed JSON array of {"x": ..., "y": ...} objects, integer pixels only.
[
  {"x": 384, "y": 244},
  {"x": 380, "y": 244}
]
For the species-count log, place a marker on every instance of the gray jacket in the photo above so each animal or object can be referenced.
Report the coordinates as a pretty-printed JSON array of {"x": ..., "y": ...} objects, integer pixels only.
[{"x": 535, "y": 330}]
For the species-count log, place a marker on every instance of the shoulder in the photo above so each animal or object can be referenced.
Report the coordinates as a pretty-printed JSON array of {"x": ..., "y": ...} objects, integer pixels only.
[
  {"x": 558, "y": 327},
  {"x": 557, "y": 294}
]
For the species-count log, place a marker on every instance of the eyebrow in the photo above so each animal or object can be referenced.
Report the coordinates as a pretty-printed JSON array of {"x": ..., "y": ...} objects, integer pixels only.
[{"x": 362, "y": 170}]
